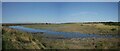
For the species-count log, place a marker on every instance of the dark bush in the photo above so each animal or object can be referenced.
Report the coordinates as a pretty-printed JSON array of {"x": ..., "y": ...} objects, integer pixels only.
[
  {"x": 113, "y": 29},
  {"x": 111, "y": 23}
]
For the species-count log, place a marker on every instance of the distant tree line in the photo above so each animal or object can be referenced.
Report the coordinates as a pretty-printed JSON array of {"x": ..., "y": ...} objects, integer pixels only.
[
  {"x": 111, "y": 23},
  {"x": 106, "y": 23},
  {"x": 15, "y": 24}
]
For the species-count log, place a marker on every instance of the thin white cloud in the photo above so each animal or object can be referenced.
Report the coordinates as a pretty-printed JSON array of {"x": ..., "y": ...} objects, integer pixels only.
[{"x": 60, "y": 0}]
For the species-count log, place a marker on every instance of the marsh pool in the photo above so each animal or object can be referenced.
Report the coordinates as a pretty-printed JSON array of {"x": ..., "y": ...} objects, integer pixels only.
[{"x": 64, "y": 34}]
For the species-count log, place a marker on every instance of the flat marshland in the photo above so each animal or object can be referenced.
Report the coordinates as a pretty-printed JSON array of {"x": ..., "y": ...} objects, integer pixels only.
[
  {"x": 15, "y": 39},
  {"x": 81, "y": 28}
]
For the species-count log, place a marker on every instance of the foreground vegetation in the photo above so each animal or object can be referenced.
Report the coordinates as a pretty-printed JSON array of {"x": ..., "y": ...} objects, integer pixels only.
[
  {"x": 87, "y": 28},
  {"x": 0, "y": 37},
  {"x": 14, "y": 39}
]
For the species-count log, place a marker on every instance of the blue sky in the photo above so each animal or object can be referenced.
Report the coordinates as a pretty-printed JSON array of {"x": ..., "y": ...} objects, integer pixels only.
[
  {"x": 60, "y": 0},
  {"x": 58, "y": 12},
  {"x": 0, "y": 12}
]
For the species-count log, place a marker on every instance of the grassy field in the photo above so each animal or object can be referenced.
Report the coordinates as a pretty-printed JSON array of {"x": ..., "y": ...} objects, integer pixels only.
[
  {"x": 81, "y": 28},
  {"x": 14, "y": 39}
]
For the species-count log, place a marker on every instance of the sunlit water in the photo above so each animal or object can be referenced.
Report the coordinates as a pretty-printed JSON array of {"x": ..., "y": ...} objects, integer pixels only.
[{"x": 64, "y": 34}]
